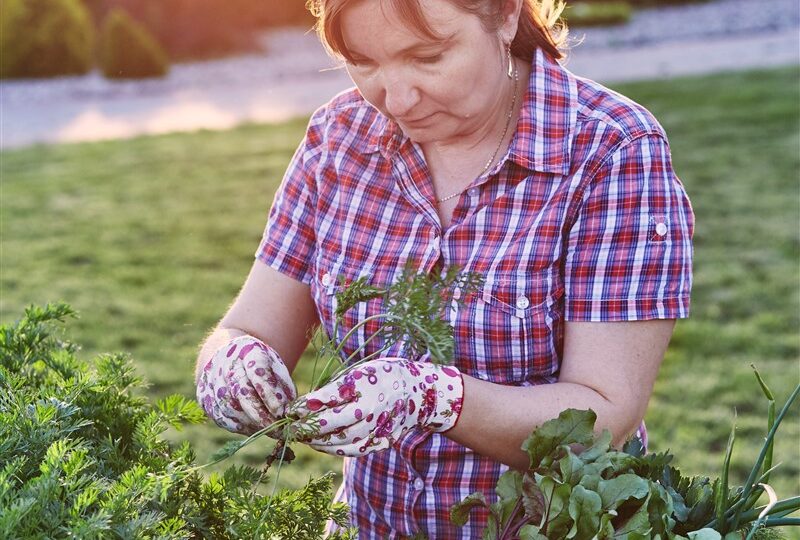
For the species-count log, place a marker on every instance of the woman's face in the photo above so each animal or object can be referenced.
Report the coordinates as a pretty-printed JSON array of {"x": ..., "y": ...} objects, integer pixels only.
[{"x": 437, "y": 91}]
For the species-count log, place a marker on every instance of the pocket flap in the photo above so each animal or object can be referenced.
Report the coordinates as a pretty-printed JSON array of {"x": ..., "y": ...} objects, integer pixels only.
[{"x": 521, "y": 295}]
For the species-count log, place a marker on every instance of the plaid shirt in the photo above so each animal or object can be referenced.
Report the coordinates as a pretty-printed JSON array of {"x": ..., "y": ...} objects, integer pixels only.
[{"x": 582, "y": 220}]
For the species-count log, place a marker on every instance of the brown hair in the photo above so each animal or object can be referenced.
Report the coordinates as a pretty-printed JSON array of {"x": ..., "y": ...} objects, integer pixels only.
[{"x": 540, "y": 25}]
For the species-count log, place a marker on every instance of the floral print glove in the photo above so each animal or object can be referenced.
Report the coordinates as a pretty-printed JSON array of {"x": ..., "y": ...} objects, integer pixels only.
[
  {"x": 375, "y": 403},
  {"x": 245, "y": 386}
]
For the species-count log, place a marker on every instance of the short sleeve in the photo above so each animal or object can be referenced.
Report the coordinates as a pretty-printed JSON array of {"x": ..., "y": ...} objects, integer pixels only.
[
  {"x": 629, "y": 251},
  {"x": 288, "y": 243}
]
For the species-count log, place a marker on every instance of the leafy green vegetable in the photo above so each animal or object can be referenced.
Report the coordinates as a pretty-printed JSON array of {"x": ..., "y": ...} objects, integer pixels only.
[
  {"x": 574, "y": 428},
  {"x": 569, "y": 494},
  {"x": 577, "y": 487}
]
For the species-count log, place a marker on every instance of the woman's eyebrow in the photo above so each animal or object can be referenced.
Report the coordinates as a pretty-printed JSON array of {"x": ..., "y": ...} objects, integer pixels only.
[{"x": 413, "y": 48}]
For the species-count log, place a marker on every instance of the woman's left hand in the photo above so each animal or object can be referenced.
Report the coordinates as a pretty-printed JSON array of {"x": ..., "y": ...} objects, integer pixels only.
[{"x": 373, "y": 404}]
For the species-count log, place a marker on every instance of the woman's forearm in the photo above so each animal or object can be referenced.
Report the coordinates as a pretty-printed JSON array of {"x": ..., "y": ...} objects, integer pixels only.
[{"x": 496, "y": 419}]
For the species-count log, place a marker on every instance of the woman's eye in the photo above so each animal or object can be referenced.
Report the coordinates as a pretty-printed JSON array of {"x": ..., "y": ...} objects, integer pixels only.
[
  {"x": 429, "y": 59},
  {"x": 359, "y": 63}
]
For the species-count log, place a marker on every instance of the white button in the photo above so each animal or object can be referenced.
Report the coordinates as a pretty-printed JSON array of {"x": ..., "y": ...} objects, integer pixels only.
[
  {"x": 661, "y": 229},
  {"x": 436, "y": 242},
  {"x": 419, "y": 485},
  {"x": 522, "y": 302},
  {"x": 327, "y": 280},
  {"x": 473, "y": 192}
]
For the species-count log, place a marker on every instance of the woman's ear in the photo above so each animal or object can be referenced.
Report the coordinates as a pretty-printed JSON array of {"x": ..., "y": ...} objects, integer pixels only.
[{"x": 510, "y": 13}]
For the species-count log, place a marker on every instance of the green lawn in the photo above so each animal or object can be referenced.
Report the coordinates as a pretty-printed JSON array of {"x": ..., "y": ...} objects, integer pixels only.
[{"x": 150, "y": 239}]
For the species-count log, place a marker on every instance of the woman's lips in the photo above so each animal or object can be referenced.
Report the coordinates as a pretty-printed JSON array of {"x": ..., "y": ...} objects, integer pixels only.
[{"x": 419, "y": 122}]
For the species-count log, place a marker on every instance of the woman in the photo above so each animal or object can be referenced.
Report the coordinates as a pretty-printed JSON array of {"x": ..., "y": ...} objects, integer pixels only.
[{"x": 464, "y": 143}]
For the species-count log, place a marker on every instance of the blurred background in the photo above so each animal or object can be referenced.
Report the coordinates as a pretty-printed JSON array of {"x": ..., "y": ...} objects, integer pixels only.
[
  {"x": 76, "y": 70},
  {"x": 141, "y": 143}
]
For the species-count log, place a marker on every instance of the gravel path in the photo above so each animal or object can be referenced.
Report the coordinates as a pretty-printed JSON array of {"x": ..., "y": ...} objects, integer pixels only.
[
  {"x": 709, "y": 20},
  {"x": 295, "y": 76}
]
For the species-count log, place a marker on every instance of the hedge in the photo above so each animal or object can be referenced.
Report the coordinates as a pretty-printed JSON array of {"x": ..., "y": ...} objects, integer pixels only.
[
  {"x": 45, "y": 38},
  {"x": 128, "y": 50}
]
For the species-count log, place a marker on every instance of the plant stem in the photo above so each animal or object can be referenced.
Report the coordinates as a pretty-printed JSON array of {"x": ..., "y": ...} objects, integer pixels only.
[
  {"x": 792, "y": 503},
  {"x": 349, "y": 334},
  {"x": 782, "y": 513},
  {"x": 273, "y": 426},
  {"x": 782, "y": 522},
  {"x": 376, "y": 353},
  {"x": 322, "y": 350},
  {"x": 762, "y": 517},
  {"x": 770, "y": 420},
  {"x": 721, "y": 501},
  {"x": 334, "y": 356},
  {"x": 280, "y": 466},
  {"x": 363, "y": 346},
  {"x": 510, "y": 525},
  {"x": 749, "y": 485}
]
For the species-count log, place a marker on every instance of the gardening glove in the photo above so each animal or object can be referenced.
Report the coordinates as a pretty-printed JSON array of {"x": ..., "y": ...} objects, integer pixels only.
[
  {"x": 245, "y": 386},
  {"x": 373, "y": 404}
]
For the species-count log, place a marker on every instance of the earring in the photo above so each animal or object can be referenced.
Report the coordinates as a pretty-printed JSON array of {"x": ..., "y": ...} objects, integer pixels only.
[{"x": 510, "y": 71}]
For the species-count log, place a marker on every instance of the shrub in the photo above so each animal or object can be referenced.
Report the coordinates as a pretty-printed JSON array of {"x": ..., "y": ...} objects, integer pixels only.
[
  {"x": 81, "y": 455},
  {"x": 200, "y": 29},
  {"x": 191, "y": 30},
  {"x": 128, "y": 50},
  {"x": 45, "y": 38},
  {"x": 597, "y": 13}
]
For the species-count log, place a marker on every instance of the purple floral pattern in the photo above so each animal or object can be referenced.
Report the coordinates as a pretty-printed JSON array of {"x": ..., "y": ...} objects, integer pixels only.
[
  {"x": 374, "y": 404},
  {"x": 245, "y": 386}
]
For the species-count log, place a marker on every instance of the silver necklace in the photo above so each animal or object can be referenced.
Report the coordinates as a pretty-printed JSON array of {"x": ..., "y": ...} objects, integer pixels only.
[{"x": 499, "y": 144}]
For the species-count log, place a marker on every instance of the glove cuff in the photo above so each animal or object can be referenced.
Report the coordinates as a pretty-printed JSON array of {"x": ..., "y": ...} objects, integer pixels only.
[{"x": 442, "y": 395}]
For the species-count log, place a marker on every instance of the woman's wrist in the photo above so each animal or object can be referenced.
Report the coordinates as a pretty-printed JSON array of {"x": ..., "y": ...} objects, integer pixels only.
[{"x": 218, "y": 339}]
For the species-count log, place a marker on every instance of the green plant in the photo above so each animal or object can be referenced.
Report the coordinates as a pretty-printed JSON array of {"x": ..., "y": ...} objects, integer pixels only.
[
  {"x": 568, "y": 493},
  {"x": 733, "y": 510},
  {"x": 82, "y": 455},
  {"x": 412, "y": 313},
  {"x": 128, "y": 50},
  {"x": 45, "y": 38},
  {"x": 412, "y": 316},
  {"x": 578, "y": 488}
]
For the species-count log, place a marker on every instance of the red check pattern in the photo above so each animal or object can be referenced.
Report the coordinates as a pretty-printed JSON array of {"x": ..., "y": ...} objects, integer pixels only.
[{"x": 582, "y": 220}]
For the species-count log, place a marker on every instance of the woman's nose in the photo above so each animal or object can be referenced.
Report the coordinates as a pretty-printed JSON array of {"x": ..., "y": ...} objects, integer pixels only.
[{"x": 400, "y": 97}]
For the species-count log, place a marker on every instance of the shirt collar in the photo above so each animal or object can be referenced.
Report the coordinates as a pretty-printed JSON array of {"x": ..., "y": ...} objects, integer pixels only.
[
  {"x": 545, "y": 129},
  {"x": 546, "y": 126},
  {"x": 384, "y": 136}
]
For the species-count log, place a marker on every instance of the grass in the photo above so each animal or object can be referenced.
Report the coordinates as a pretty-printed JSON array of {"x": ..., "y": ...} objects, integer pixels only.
[{"x": 151, "y": 238}]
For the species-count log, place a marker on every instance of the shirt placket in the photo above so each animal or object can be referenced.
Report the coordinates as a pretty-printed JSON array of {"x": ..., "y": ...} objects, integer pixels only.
[{"x": 413, "y": 179}]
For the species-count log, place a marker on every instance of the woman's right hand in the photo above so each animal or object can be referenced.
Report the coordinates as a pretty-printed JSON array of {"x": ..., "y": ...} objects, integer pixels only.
[{"x": 245, "y": 386}]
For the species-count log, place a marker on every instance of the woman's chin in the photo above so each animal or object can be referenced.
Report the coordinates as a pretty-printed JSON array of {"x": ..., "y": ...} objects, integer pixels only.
[
  {"x": 425, "y": 130},
  {"x": 422, "y": 136}
]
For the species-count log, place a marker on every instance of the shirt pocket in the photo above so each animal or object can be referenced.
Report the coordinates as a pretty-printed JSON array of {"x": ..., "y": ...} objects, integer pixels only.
[
  {"x": 510, "y": 335},
  {"x": 331, "y": 277}
]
